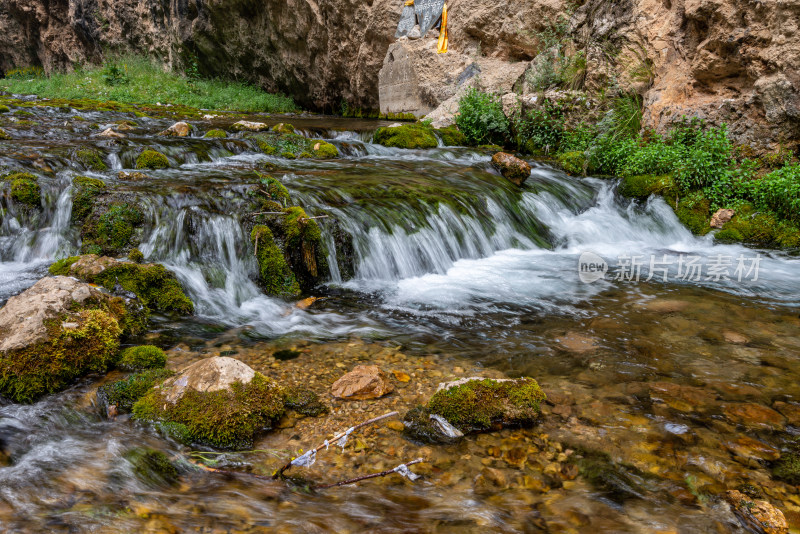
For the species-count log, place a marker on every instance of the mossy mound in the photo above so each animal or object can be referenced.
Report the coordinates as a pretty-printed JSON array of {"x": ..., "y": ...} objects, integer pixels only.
[
  {"x": 155, "y": 286},
  {"x": 152, "y": 159},
  {"x": 694, "y": 212},
  {"x": 136, "y": 256},
  {"x": 759, "y": 228},
  {"x": 4, "y": 108},
  {"x": 416, "y": 135},
  {"x": 452, "y": 136},
  {"x": 124, "y": 393},
  {"x": 305, "y": 402},
  {"x": 645, "y": 185},
  {"x": 85, "y": 190},
  {"x": 111, "y": 230},
  {"x": 301, "y": 241},
  {"x": 89, "y": 344},
  {"x": 273, "y": 190},
  {"x": 216, "y": 134},
  {"x": 284, "y": 128},
  {"x": 152, "y": 467},
  {"x": 291, "y": 146},
  {"x": 62, "y": 267},
  {"x": 91, "y": 159},
  {"x": 275, "y": 276},
  {"x": 142, "y": 357},
  {"x": 4, "y": 135},
  {"x": 573, "y": 163},
  {"x": 226, "y": 418},
  {"x": 25, "y": 189}
]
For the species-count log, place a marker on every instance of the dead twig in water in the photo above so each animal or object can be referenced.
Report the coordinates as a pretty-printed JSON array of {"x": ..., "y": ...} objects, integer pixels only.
[
  {"x": 402, "y": 469},
  {"x": 309, "y": 457}
]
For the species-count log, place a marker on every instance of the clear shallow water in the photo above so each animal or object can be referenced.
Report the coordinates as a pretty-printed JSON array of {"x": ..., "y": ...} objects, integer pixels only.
[{"x": 451, "y": 262}]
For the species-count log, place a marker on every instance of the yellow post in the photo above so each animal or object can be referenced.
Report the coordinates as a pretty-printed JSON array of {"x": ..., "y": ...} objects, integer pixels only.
[{"x": 442, "y": 46}]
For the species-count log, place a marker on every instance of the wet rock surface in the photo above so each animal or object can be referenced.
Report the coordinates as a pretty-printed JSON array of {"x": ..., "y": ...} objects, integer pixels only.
[
  {"x": 362, "y": 383},
  {"x": 511, "y": 167}
]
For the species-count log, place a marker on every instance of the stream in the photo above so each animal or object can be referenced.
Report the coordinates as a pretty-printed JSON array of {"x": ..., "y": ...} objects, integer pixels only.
[{"x": 676, "y": 373}]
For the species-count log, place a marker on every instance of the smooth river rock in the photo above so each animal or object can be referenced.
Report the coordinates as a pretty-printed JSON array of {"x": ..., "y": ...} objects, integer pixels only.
[
  {"x": 362, "y": 383},
  {"x": 211, "y": 374}
]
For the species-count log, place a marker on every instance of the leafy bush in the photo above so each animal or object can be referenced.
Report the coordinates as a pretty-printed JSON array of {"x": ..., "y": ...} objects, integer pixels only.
[
  {"x": 609, "y": 154},
  {"x": 707, "y": 159},
  {"x": 779, "y": 191},
  {"x": 627, "y": 116},
  {"x": 115, "y": 74},
  {"x": 481, "y": 119},
  {"x": 652, "y": 158},
  {"x": 538, "y": 128}
]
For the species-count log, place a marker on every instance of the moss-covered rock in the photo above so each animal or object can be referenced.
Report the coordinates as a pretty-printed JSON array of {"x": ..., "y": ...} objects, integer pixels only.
[
  {"x": 305, "y": 402},
  {"x": 136, "y": 256},
  {"x": 694, "y": 212},
  {"x": 85, "y": 190},
  {"x": 216, "y": 134},
  {"x": 25, "y": 189},
  {"x": 4, "y": 135},
  {"x": 156, "y": 287},
  {"x": 452, "y": 136},
  {"x": 152, "y": 159},
  {"x": 759, "y": 228},
  {"x": 111, "y": 229},
  {"x": 301, "y": 240},
  {"x": 478, "y": 405},
  {"x": 73, "y": 330},
  {"x": 275, "y": 276},
  {"x": 416, "y": 135},
  {"x": 91, "y": 159},
  {"x": 645, "y": 185},
  {"x": 284, "y": 128},
  {"x": 272, "y": 190},
  {"x": 152, "y": 467},
  {"x": 291, "y": 146},
  {"x": 218, "y": 402},
  {"x": 124, "y": 393},
  {"x": 573, "y": 163},
  {"x": 4, "y": 108},
  {"x": 142, "y": 357}
]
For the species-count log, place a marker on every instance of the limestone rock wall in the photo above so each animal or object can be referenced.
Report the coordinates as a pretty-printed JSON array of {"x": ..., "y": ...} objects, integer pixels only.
[{"x": 725, "y": 60}]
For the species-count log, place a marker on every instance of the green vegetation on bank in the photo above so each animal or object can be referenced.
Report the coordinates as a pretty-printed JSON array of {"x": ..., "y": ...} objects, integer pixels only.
[
  {"x": 694, "y": 166},
  {"x": 137, "y": 80}
]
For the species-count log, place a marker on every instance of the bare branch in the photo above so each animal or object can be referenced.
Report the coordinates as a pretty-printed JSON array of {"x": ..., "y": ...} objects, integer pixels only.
[{"x": 366, "y": 477}]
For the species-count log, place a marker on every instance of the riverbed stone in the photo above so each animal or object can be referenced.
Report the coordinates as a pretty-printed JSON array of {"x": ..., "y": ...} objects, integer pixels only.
[
  {"x": 747, "y": 448},
  {"x": 217, "y": 401},
  {"x": 249, "y": 126},
  {"x": 362, "y": 383},
  {"x": 757, "y": 514},
  {"x": 754, "y": 416},
  {"x": 511, "y": 167},
  {"x": 179, "y": 129},
  {"x": 721, "y": 216},
  {"x": 56, "y": 331},
  {"x": 790, "y": 411},
  {"x": 111, "y": 134}
]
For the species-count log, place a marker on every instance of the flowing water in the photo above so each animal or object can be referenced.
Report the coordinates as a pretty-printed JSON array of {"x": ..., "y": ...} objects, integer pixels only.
[{"x": 683, "y": 382}]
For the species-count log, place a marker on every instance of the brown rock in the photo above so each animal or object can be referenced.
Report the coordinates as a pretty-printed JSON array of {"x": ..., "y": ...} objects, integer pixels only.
[
  {"x": 132, "y": 176},
  {"x": 754, "y": 416},
  {"x": 511, "y": 167},
  {"x": 489, "y": 481},
  {"x": 110, "y": 133},
  {"x": 752, "y": 449},
  {"x": 790, "y": 411},
  {"x": 179, "y": 129},
  {"x": 401, "y": 376},
  {"x": 721, "y": 217},
  {"x": 682, "y": 398},
  {"x": 759, "y": 515},
  {"x": 211, "y": 374},
  {"x": 575, "y": 342},
  {"x": 666, "y": 306},
  {"x": 362, "y": 383}
]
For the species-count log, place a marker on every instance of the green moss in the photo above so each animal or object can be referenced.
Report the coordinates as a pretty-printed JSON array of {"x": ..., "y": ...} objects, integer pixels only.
[
  {"x": 155, "y": 286},
  {"x": 216, "y": 134},
  {"x": 273, "y": 190},
  {"x": 227, "y": 419},
  {"x": 113, "y": 230},
  {"x": 152, "y": 467},
  {"x": 91, "y": 158},
  {"x": 492, "y": 149},
  {"x": 142, "y": 357},
  {"x": 124, "y": 393},
  {"x": 136, "y": 256},
  {"x": 284, "y": 128},
  {"x": 61, "y": 267},
  {"x": 305, "y": 402},
  {"x": 478, "y": 404},
  {"x": 288, "y": 155},
  {"x": 452, "y": 136},
  {"x": 323, "y": 150},
  {"x": 50, "y": 366},
  {"x": 275, "y": 276},
  {"x": 23, "y": 113},
  {"x": 645, "y": 185},
  {"x": 417, "y": 135},
  {"x": 787, "y": 468},
  {"x": 694, "y": 211},
  {"x": 85, "y": 190},
  {"x": 151, "y": 159},
  {"x": 4, "y": 135},
  {"x": 419, "y": 426},
  {"x": 759, "y": 228},
  {"x": 573, "y": 163},
  {"x": 25, "y": 189},
  {"x": 4, "y": 108}
]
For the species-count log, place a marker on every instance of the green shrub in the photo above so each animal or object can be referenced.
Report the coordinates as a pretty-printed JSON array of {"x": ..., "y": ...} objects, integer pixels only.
[
  {"x": 656, "y": 157},
  {"x": 779, "y": 191},
  {"x": 538, "y": 128},
  {"x": 124, "y": 393},
  {"x": 481, "y": 119},
  {"x": 609, "y": 154}
]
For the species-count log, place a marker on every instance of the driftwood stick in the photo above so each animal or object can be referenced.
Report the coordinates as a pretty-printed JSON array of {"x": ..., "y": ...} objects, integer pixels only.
[
  {"x": 309, "y": 218},
  {"x": 336, "y": 438},
  {"x": 366, "y": 477},
  {"x": 268, "y": 213}
]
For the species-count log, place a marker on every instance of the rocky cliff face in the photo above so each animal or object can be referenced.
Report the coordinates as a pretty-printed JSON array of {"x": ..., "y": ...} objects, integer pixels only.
[{"x": 725, "y": 60}]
